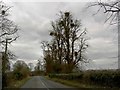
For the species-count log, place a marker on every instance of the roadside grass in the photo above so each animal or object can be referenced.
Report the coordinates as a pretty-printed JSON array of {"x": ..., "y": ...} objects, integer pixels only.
[
  {"x": 18, "y": 83},
  {"x": 73, "y": 83}
]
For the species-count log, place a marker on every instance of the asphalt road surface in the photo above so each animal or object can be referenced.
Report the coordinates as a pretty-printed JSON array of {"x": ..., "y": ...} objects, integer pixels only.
[{"x": 41, "y": 82}]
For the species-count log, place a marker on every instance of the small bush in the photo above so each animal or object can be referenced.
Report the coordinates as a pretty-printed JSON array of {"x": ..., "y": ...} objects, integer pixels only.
[{"x": 21, "y": 70}]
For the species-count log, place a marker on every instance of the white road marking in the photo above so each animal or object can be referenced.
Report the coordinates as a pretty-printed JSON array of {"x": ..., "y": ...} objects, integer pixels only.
[{"x": 44, "y": 84}]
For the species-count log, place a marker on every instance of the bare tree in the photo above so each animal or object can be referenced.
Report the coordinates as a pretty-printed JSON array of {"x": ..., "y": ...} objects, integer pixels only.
[
  {"x": 38, "y": 66},
  {"x": 31, "y": 66},
  {"x": 7, "y": 28},
  {"x": 8, "y": 34},
  {"x": 68, "y": 45},
  {"x": 48, "y": 56}
]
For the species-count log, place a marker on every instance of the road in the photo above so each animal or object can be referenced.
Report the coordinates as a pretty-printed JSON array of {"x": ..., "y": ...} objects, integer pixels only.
[{"x": 41, "y": 82}]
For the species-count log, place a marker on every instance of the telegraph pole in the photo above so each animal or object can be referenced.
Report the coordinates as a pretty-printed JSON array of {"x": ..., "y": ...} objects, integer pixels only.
[
  {"x": 4, "y": 59},
  {"x": 119, "y": 36}
]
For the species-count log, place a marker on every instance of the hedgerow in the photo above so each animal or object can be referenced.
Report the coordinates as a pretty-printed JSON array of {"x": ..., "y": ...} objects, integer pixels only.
[{"x": 109, "y": 78}]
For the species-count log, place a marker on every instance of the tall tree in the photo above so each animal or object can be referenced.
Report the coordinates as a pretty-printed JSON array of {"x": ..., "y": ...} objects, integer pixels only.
[
  {"x": 48, "y": 56},
  {"x": 68, "y": 44},
  {"x": 8, "y": 34},
  {"x": 8, "y": 29}
]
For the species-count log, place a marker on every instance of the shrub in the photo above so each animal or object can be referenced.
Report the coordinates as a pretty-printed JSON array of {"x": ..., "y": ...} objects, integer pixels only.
[{"x": 21, "y": 70}]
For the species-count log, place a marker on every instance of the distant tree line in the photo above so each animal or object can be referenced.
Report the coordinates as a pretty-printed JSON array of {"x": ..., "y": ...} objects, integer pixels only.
[{"x": 22, "y": 70}]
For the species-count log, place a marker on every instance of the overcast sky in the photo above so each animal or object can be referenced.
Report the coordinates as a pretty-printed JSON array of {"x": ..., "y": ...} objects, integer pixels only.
[{"x": 34, "y": 20}]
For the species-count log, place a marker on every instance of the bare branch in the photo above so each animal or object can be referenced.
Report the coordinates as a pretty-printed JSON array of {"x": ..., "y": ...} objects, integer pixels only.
[
  {"x": 13, "y": 39},
  {"x": 109, "y": 17},
  {"x": 109, "y": 8}
]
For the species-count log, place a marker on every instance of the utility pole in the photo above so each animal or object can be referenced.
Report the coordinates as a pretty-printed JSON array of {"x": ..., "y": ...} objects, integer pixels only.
[
  {"x": 4, "y": 59},
  {"x": 119, "y": 37}
]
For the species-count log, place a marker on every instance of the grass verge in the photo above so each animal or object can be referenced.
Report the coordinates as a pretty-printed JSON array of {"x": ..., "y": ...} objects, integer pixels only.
[{"x": 18, "y": 83}]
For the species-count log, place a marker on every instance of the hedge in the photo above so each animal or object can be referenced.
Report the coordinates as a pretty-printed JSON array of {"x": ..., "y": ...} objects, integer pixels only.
[{"x": 110, "y": 78}]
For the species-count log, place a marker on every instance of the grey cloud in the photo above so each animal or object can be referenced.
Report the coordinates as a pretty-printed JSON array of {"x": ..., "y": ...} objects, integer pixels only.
[
  {"x": 27, "y": 51},
  {"x": 34, "y": 20}
]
